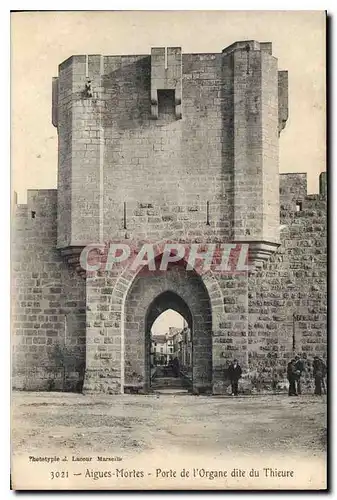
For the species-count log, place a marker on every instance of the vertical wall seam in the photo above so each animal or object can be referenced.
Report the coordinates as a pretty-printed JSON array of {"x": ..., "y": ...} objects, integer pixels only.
[
  {"x": 165, "y": 58},
  {"x": 86, "y": 65}
]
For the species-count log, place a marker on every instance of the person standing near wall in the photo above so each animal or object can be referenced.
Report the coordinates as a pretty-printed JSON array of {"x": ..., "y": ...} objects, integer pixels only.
[
  {"x": 324, "y": 389},
  {"x": 319, "y": 372},
  {"x": 299, "y": 369},
  {"x": 234, "y": 373},
  {"x": 176, "y": 367},
  {"x": 291, "y": 375}
]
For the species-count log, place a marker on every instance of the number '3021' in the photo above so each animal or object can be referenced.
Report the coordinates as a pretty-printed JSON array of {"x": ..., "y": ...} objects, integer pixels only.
[{"x": 58, "y": 474}]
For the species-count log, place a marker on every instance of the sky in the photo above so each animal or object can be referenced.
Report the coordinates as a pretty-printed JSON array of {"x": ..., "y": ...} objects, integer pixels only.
[
  {"x": 40, "y": 41},
  {"x": 165, "y": 320}
]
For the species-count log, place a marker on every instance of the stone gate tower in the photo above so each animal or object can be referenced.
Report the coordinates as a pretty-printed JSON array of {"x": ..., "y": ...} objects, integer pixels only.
[
  {"x": 173, "y": 130},
  {"x": 169, "y": 147}
]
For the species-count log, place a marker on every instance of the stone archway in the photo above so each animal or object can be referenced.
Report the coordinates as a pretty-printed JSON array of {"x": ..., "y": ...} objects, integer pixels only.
[{"x": 149, "y": 295}]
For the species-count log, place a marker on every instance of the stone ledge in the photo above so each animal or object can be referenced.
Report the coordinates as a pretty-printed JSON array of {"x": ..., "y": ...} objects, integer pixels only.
[{"x": 258, "y": 252}]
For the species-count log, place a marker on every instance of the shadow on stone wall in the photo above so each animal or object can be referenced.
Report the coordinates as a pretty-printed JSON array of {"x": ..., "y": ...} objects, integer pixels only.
[{"x": 65, "y": 371}]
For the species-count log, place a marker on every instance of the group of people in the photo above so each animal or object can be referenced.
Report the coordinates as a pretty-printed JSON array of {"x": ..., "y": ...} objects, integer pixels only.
[{"x": 296, "y": 368}]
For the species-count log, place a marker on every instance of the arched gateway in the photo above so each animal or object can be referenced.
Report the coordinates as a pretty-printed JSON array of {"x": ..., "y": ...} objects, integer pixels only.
[{"x": 152, "y": 293}]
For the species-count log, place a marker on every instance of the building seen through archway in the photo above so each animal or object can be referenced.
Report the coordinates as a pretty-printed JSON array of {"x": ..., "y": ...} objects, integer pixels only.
[{"x": 171, "y": 352}]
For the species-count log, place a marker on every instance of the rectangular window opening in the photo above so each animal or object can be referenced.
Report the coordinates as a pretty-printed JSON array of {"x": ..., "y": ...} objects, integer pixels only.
[{"x": 166, "y": 104}]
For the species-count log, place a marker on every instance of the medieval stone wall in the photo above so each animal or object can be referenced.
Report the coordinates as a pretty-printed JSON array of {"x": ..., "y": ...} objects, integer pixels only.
[
  {"x": 282, "y": 306},
  {"x": 288, "y": 298},
  {"x": 48, "y": 301}
]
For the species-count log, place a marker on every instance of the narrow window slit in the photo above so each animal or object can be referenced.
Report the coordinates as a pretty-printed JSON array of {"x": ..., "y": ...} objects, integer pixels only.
[
  {"x": 124, "y": 216},
  {"x": 207, "y": 214}
]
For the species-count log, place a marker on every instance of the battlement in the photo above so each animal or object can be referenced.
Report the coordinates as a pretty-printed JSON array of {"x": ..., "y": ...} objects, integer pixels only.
[
  {"x": 323, "y": 188},
  {"x": 248, "y": 45},
  {"x": 293, "y": 186},
  {"x": 37, "y": 197}
]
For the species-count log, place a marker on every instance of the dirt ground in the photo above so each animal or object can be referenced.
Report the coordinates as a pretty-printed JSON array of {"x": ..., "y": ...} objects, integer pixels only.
[{"x": 42, "y": 422}]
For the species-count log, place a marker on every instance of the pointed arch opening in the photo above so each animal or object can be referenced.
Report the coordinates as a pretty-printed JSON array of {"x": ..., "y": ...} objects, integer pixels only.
[{"x": 169, "y": 342}]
